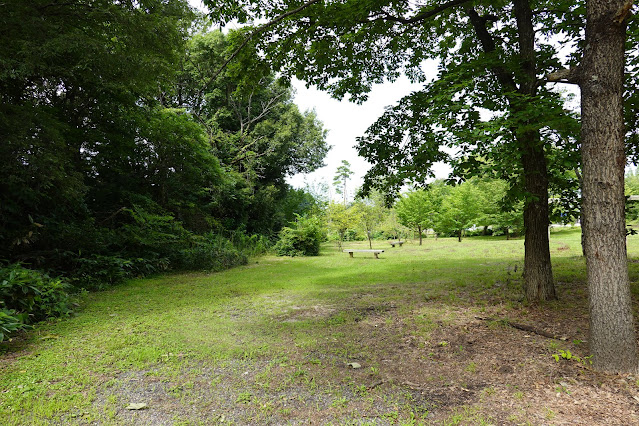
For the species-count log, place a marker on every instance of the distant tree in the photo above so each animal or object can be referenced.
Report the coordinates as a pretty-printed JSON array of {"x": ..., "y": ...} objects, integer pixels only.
[
  {"x": 496, "y": 209},
  {"x": 372, "y": 213},
  {"x": 461, "y": 209},
  {"x": 342, "y": 175},
  {"x": 414, "y": 211},
  {"x": 419, "y": 209},
  {"x": 259, "y": 135},
  {"x": 342, "y": 218},
  {"x": 392, "y": 226},
  {"x": 631, "y": 182}
]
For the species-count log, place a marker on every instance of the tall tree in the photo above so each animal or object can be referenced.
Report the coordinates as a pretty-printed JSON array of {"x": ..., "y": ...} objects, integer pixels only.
[
  {"x": 74, "y": 78},
  {"x": 490, "y": 58},
  {"x": 342, "y": 175},
  {"x": 254, "y": 128}
]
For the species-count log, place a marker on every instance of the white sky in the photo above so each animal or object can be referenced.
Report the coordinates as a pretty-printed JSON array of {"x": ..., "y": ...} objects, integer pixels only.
[{"x": 345, "y": 121}]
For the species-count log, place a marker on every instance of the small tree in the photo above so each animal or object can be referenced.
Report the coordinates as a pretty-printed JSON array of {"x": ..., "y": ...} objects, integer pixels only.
[
  {"x": 413, "y": 211},
  {"x": 461, "y": 209},
  {"x": 420, "y": 209},
  {"x": 341, "y": 218},
  {"x": 371, "y": 216}
]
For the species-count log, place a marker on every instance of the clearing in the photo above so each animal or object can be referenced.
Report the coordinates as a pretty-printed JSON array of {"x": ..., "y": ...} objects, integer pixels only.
[{"x": 422, "y": 335}]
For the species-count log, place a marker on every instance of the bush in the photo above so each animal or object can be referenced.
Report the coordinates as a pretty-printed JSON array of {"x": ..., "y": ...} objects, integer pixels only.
[
  {"x": 31, "y": 296},
  {"x": 250, "y": 245},
  {"x": 211, "y": 252},
  {"x": 9, "y": 324},
  {"x": 302, "y": 240}
]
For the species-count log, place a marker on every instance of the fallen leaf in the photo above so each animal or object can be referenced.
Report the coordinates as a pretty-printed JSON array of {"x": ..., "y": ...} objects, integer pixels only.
[
  {"x": 49, "y": 337},
  {"x": 137, "y": 406},
  {"x": 354, "y": 365}
]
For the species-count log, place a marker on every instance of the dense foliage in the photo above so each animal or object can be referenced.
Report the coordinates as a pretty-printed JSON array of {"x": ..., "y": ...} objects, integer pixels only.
[
  {"x": 303, "y": 238},
  {"x": 126, "y": 153},
  {"x": 28, "y": 296}
]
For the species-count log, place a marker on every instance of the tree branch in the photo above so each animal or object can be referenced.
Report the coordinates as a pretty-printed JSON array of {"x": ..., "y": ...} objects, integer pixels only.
[
  {"x": 566, "y": 75},
  {"x": 488, "y": 45},
  {"x": 420, "y": 16},
  {"x": 258, "y": 31}
]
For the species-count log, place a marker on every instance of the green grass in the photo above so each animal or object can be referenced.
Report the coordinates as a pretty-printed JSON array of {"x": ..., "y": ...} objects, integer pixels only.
[{"x": 265, "y": 329}]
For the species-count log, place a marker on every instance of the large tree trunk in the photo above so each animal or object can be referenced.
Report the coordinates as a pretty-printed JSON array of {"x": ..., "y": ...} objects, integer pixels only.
[{"x": 612, "y": 337}]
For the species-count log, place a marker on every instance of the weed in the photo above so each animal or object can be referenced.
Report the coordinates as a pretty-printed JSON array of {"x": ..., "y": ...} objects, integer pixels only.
[
  {"x": 244, "y": 398},
  {"x": 361, "y": 390},
  {"x": 567, "y": 355},
  {"x": 549, "y": 414},
  {"x": 339, "y": 402}
]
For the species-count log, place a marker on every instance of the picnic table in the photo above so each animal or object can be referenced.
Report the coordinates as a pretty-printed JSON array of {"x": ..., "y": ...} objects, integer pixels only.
[{"x": 375, "y": 252}]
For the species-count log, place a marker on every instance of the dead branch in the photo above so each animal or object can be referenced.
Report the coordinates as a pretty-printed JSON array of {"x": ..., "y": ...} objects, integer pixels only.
[{"x": 524, "y": 327}]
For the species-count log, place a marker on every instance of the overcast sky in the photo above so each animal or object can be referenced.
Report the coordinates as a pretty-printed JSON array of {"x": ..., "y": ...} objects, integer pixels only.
[{"x": 345, "y": 121}]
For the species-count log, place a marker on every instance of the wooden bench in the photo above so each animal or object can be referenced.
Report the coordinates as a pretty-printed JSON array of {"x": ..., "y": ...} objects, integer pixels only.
[
  {"x": 375, "y": 252},
  {"x": 394, "y": 243}
]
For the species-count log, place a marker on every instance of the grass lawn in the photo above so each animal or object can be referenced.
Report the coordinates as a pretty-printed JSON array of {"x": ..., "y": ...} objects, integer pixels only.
[{"x": 422, "y": 335}]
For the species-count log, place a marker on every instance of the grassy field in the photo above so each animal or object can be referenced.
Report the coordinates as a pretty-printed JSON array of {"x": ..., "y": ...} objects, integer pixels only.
[{"x": 423, "y": 335}]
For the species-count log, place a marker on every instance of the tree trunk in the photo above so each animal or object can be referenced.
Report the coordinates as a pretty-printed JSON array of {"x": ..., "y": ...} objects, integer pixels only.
[
  {"x": 459, "y": 235},
  {"x": 538, "y": 280},
  {"x": 612, "y": 337},
  {"x": 370, "y": 242},
  {"x": 419, "y": 228}
]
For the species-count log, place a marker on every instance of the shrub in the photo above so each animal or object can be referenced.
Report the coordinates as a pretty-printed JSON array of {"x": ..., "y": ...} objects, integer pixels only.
[
  {"x": 32, "y": 296},
  {"x": 9, "y": 324},
  {"x": 211, "y": 252},
  {"x": 302, "y": 240}
]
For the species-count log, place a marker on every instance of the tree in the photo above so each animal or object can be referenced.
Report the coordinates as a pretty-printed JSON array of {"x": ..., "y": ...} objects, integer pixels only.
[
  {"x": 342, "y": 174},
  {"x": 76, "y": 77},
  {"x": 417, "y": 210},
  {"x": 491, "y": 58},
  {"x": 613, "y": 343},
  {"x": 253, "y": 126},
  {"x": 372, "y": 213},
  {"x": 496, "y": 209},
  {"x": 461, "y": 209},
  {"x": 342, "y": 218}
]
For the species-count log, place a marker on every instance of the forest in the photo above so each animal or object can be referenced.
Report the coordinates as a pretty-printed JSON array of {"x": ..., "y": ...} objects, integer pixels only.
[{"x": 124, "y": 155}]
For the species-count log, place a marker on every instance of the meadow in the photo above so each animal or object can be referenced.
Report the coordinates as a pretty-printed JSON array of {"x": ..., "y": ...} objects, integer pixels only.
[{"x": 424, "y": 335}]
